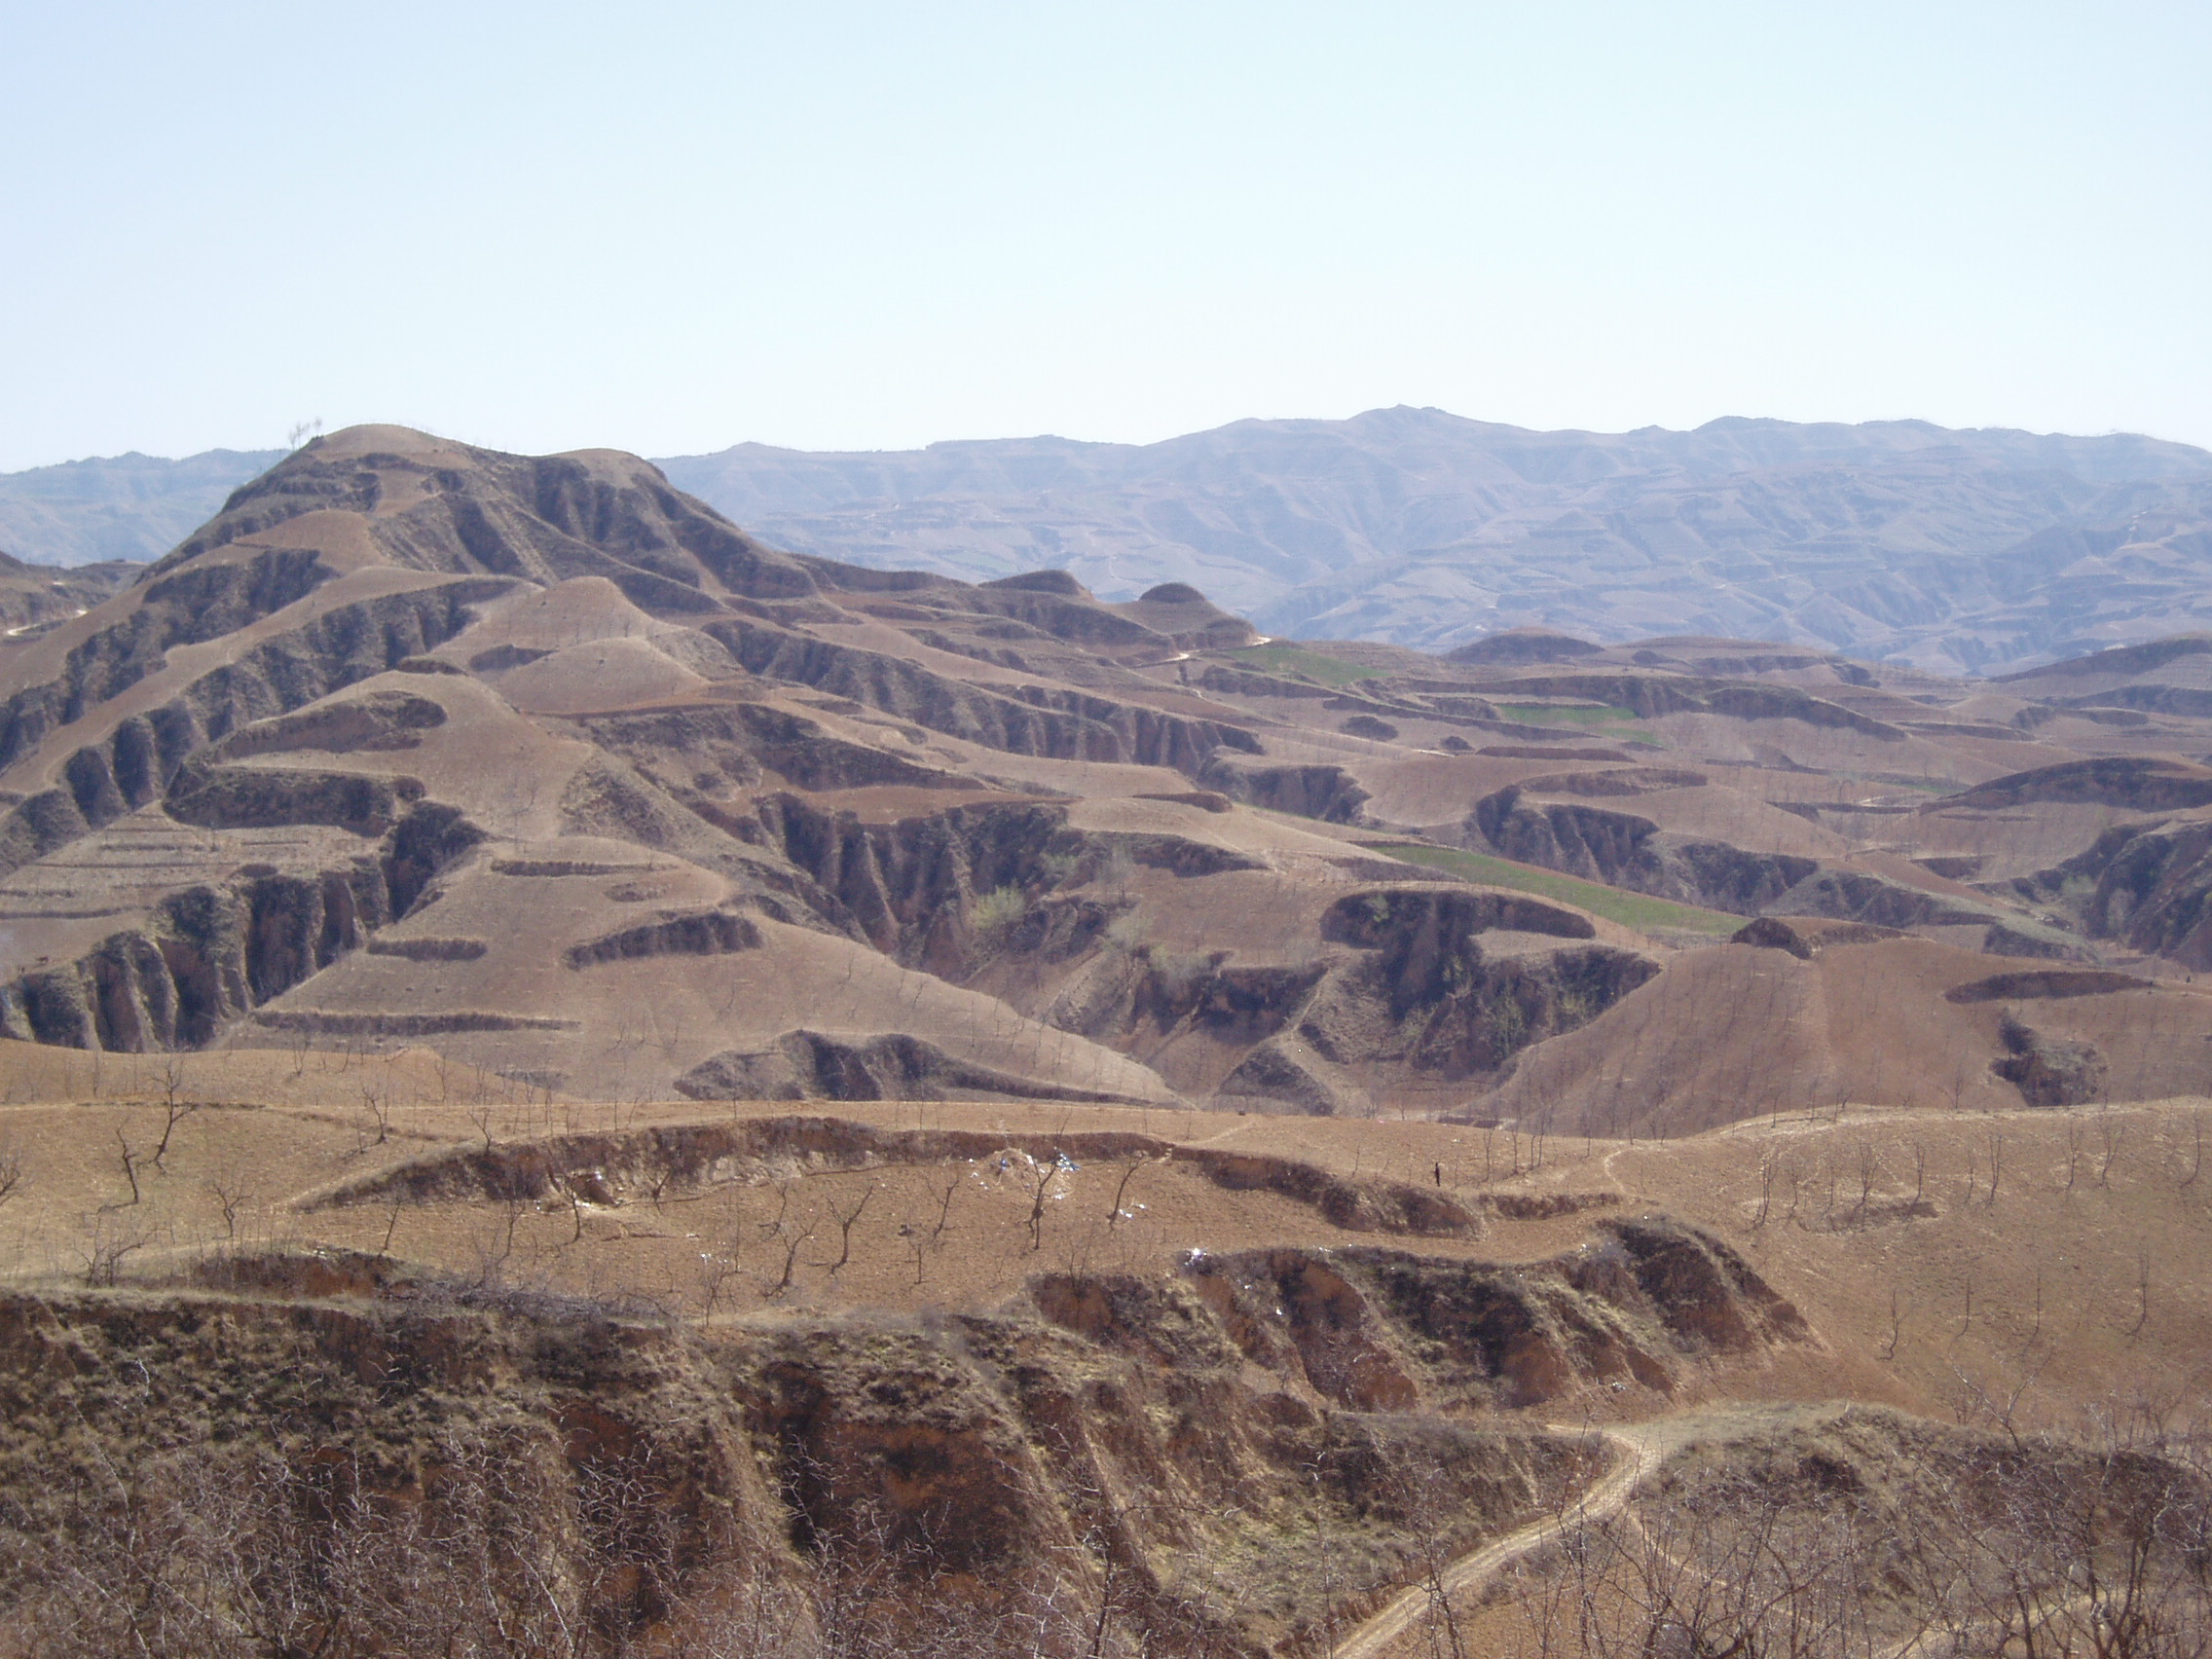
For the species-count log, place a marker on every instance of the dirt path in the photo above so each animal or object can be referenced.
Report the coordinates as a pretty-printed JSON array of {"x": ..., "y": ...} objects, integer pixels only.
[{"x": 1643, "y": 1447}]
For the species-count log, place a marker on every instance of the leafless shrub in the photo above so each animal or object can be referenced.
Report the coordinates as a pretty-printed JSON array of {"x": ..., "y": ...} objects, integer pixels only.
[
  {"x": 129, "y": 1167},
  {"x": 846, "y": 1221},
  {"x": 174, "y": 1111},
  {"x": 376, "y": 1105},
  {"x": 107, "y": 1239},
  {"x": 1043, "y": 1174},
  {"x": 793, "y": 1240},
  {"x": 193, "y": 1556},
  {"x": 943, "y": 1189},
  {"x": 2113, "y": 1133},
  {"x": 228, "y": 1186},
  {"x": 1121, "y": 1190}
]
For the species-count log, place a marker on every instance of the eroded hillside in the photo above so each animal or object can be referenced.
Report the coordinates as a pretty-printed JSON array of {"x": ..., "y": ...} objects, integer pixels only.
[
  {"x": 576, "y": 1084},
  {"x": 540, "y": 763}
]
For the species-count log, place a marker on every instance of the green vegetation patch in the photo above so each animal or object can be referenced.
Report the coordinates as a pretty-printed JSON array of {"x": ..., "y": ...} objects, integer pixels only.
[
  {"x": 1551, "y": 713},
  {"x": 1281, "y": 657},
  {"x": 1630, "y": 910}
]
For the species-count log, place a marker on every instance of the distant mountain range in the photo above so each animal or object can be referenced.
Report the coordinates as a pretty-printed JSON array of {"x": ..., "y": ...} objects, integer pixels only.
[
  {"x": 126, "y": 506},
  {"x": 1956, "y": 551}
]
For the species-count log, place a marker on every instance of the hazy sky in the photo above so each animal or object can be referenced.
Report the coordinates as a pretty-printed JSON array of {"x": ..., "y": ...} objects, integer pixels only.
[{"x": 669, "y": 227}]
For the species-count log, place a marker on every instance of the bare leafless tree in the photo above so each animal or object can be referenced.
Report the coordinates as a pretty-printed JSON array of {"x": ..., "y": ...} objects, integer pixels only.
[
  {"x": 2112, "y": 1132},
  {"x": 846, "y": 1221},
  {"x": 227, "y": 1187},
  {"x": 793, "y": 1240},
  {"x": 130, "y": 1164},
  {"x": 1121, "y": 1190},
  {"x": 1044, "y": 1173}
]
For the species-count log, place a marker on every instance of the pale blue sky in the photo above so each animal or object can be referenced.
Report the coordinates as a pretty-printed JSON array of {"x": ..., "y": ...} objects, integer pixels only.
[{"x": 672, "y": 227}]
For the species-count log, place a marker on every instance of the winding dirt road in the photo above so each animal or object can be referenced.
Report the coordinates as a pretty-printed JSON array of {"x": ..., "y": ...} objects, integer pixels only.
[{"x": 1642, "y": 1447}]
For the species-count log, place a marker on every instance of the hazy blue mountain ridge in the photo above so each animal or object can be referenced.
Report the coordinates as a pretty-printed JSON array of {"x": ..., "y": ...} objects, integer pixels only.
[
  {"x": 131, "y": 507},
  {"x": 1959, "y": 550},
  {"x": 1975, "y": 551}
]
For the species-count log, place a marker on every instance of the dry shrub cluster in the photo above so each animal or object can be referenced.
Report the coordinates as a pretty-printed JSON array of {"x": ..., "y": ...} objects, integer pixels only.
[
  {"x": 193, "y": 1557},
  {"x": 205, "y": 1554}
]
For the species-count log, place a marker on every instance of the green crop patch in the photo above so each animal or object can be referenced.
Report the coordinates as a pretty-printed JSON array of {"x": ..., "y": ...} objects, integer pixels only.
[
  {"x": 1280, "y": 658},
  {"x": 1616, "y": 904}
]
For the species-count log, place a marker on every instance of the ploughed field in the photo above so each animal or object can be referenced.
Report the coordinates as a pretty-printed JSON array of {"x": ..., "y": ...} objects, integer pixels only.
[{"x": 572, "y": 1083}]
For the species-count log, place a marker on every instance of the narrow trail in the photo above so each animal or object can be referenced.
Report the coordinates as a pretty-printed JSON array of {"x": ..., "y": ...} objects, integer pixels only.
[{"x": 1643, "y": 1448}]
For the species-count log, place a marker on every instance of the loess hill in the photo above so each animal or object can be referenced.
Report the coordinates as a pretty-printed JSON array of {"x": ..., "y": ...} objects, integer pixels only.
[{"x": 578, "y": 1083}]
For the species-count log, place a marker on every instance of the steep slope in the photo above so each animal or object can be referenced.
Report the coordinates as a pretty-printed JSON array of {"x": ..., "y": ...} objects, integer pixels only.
[
  {"x": 540, "y": 763},
  {"x": 1643, "y": 1075}
]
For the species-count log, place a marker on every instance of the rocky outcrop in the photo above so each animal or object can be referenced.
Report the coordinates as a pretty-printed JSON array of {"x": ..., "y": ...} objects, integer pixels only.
[
  {"x": 1327, "y": 792},
  {"x": 1381, "y": 1330},
  {"x": 1806, "y": 942},
  {"x": 379, "y": 723},
  {"x": 1427, "y": 997},
  {"x": 1617, "y": 781},
  {"x": 259, "y": 797},
  {"x": 1624, "y": 850},
  {"x": 2000, "y": 939},
  {"x": 699, "y": 932},
  {"x": 2139, "y": 783},
  {"x": 35, "y": 598},
  {"x": 732, "y": 745},
  {"x": 427, "y": 949},
  {"x": 1148, "y": 992},
  {"x": 2046, "y": 983},
  {"x": 2049, "y": 1071},
  {"x": 1856, "y": 897},
  {"x": 1482, "y": 1016},
  {"x": 1419, "y": 926},
  {"x": 2147, "y": 885},
  {"x": 810, "y": 1065},
  {"x": 210, "y": 955},
  {"x": 445, "y": 1022},
  {"x": 1276, "y": 1077},
  {"x": 1055, "y": 723},
  {"x": 1767, "y": 933},
  {"x": 910, "y": 887},
  {"x": 613, "y": 1168},
  {"x": 135, "y": 761}
]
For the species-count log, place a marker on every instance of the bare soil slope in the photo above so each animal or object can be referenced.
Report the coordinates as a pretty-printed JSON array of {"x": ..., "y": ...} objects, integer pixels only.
[
  {"x": 573, "y": 1082},
  {"x": 537, "y": 763}
]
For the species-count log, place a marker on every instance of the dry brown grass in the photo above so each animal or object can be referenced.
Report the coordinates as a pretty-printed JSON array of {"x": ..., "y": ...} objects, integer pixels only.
[{"x": 2081, "y": 1276}]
